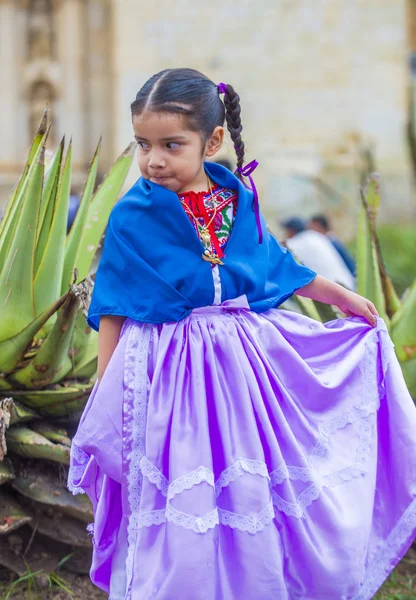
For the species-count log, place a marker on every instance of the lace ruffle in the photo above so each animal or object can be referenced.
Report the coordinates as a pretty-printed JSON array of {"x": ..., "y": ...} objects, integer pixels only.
[
  {"x": 239, "y": 468},
  {"x": 135, "y": 378},
  {"x": 78, "y": 463},
  {"x": 382, "y": 559}
]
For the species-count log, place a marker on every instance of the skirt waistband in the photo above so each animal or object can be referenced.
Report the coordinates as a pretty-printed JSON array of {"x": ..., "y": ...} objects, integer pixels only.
[{"x": 234, "y": 305}]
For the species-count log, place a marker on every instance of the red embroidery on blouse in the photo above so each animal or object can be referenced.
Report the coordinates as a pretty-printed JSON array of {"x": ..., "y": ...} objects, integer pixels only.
[{"x": 202, "y": 205}]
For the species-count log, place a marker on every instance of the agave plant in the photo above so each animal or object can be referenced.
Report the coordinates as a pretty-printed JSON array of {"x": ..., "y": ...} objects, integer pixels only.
[
  {"x": 374, "y": 283},
  {"x": 48, "y": 354}
]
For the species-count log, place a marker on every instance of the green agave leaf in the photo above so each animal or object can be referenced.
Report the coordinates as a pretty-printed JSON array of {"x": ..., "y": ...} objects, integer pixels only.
[
  {"x": 86, "y": 369},
  {"x": 52, "y": 433},
  {"x": 6, "y": 471},
  {"x": 409, "y": 372},
  {"x": 85, "y": 348},
  {"x": 22, "y": 414},
  {"x": 48, "y": 365},
  {"x": 26, "y": 442},
  {"x": 4, "y": 384},
  {"x": 13, "y": 202},
  {"x": 59, "y": 402},
  {"x": 47, "y": 207},
  {"x": 12, "y": 515},
  {"x": 47, "y": 489},
  {"x": 326, "y": 312},
  {"x": 369, "y": 282},
  {"x": 47, "y": 285},
  {"x": 392, "y": 301},
  {"x": 62, "y": 528},
  {"x": 99, "y": 211},
  {"x": 307, "y": 307},
  {"x": 77, "y": 229},
  {"x": 16, "y": 278},
  {"x": 13, "y": 349},
  {"x": 403, "y": 328}
]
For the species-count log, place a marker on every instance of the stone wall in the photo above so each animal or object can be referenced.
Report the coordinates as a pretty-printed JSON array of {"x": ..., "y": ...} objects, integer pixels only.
[{"x": 317, "y": 80}]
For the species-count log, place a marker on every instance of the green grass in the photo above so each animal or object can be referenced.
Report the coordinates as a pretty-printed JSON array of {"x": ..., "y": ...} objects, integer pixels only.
[
  {"x": 401, "y": 585},
  {"x": 28, "y": 585}
]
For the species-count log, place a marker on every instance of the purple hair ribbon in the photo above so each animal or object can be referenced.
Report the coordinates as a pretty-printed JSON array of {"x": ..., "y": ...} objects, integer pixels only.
[
  {"x": 246, "y": 171},
  {"x": 222, "y": 88}
]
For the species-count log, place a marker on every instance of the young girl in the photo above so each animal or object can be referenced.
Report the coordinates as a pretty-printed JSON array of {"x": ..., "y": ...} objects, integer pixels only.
[{"x": 232, "y": 450}]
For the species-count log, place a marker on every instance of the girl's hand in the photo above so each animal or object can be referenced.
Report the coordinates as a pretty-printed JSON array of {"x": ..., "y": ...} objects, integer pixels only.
[
  {"x": 351, "y": 304},
  {"x": 354, "y": 305}
]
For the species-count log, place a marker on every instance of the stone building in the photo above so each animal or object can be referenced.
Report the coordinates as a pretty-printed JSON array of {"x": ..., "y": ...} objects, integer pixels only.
[{"x": 325, "y": 86}]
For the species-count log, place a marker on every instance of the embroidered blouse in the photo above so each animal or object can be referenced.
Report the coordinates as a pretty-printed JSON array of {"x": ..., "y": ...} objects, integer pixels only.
[{"x": 202, "y": 205}]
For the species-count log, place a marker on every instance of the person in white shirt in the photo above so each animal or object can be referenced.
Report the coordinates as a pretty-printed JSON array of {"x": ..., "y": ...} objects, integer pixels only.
[{"x": 315, "y": 251}]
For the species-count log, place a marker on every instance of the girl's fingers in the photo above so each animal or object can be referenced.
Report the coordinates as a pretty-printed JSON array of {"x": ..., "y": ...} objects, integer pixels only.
[
  {"x": 372, "y": 308},
  {"x": 371, "y": 318}
]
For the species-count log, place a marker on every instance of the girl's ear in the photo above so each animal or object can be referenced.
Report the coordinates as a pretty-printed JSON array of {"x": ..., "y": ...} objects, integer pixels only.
[{"x": 215, "y": 141}]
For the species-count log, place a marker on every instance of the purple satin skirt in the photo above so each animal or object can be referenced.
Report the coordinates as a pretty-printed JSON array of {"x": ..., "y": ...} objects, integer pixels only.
[{"x": 237, "y": 456}]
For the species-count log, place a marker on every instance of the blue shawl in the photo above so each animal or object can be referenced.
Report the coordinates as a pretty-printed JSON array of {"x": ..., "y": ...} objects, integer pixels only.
[{"x": 152, "y": 269}]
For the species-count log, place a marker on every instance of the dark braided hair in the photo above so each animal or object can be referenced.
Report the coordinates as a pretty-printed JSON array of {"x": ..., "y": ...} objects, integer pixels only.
[
  {"x": 192, "y": 94},
  {"x": 234, "y": 126}
]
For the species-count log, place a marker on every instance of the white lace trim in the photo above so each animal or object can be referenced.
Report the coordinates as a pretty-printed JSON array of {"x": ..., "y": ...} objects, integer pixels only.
[
  {"x": 370, "y": 396},
  {"x": 186, "y": 482},
  {"x": 239, "y": 468},
  {"x": 250, "y": 524},
  {"x": 78, "y": 463},
  {"x": 154, "y": 475},
  {"x": 135, "y": 378},
  {"x": 284, "y": 472},
  {"x": 382, "y": 560}
]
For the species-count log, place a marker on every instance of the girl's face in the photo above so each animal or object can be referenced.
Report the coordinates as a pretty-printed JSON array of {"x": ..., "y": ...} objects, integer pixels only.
[{"x": 170, "y": 154}]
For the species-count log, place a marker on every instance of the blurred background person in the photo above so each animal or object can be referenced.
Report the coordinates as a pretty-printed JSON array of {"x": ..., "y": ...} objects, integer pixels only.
[
  {"x": 315, "y": 251},
  {"x": 321, "y": 224}
]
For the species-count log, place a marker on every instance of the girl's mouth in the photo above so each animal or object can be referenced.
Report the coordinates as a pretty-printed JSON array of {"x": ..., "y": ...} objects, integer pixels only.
[{"x": 160, "y": 180}]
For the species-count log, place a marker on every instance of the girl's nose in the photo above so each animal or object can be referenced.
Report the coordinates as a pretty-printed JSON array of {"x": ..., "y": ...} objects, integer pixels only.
[{"x": 156, "y": 160}]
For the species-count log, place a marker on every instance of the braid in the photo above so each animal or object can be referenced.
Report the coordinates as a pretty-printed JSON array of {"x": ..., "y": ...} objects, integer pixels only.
[{"x": 234, "y": 126}]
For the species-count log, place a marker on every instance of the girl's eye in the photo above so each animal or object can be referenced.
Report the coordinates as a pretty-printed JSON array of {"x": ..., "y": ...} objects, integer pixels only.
[
  {"x": 173, "y": 145},
  {"x": 143, "y": 145}
]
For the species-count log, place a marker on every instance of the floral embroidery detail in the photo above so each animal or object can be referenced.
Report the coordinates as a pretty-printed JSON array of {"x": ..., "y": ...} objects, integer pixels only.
[{"x": 224, "y": 200}]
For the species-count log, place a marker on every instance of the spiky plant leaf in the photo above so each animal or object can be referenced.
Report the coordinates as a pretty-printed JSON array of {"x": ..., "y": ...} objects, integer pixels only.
[
  {"x": 26, "y": 442},
  {"x": 13, "y": 205},
  {"x": 16, "y": 283},
  {"x": 60, "y": 401},
  {"x": 99, "y": 211},
  {"x": 326, "y": 311},
  {"x": 48, "y": 489},
  {"x": 83, "y": 334},
  {"x": 409, "y": 372},
  {"x": 62, "y": 528},
  {"x": 369, "y": 282},
  {"x": 12, "y": 515},
  {"x": 52, "y": 433},
  {"x": 6, "y": 471},
  {"x": 371, "y": 205},
  {"x": 48, "y": 203},
  {"x": 48, "y": 364},
  {"x": 22, "y": 414},
  {"x": 12, "y": 349},
  {"x": 403, "y": 329},
  {"x": 47, "y": 284},
  {"x": 77, "y": 229},
  {"x": 307, "y": 306}
]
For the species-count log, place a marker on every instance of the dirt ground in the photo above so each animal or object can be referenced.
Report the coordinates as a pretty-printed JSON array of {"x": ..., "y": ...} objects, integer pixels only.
[
  {"x": 400, "y": 586},
  {"x": 80, "y": 586}
]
